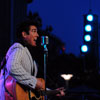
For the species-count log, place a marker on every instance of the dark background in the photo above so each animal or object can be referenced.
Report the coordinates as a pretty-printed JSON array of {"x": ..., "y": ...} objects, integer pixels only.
[{"x": 66, "y": 18}]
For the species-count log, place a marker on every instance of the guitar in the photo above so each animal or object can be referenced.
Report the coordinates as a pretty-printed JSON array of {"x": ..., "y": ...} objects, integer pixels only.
[
  {"x": 33, "y": 94},
  {"x": 16, "y": 91}
]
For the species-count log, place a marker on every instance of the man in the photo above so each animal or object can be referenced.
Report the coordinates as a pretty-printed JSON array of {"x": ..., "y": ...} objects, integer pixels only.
[{"x": 19, "y": 62}]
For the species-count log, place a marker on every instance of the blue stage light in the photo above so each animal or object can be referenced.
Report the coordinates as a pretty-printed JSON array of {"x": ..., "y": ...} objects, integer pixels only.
[
  {"x": 87, "y": 38},
  {"x": 84, "y": 48},
  {"x": 90, "y": 17},
  {"x": 88, "y": 28}
]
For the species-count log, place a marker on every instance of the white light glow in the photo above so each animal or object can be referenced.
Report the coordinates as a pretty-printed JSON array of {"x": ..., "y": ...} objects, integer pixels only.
[
  {"x": 90, "y": 17},
  {"x": 67, "y": 76}
]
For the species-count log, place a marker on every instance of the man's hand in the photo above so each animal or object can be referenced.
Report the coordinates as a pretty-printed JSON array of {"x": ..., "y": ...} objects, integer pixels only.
[
  {"x": 61, "y": 91},
  {"x": 39, "y": 85}
]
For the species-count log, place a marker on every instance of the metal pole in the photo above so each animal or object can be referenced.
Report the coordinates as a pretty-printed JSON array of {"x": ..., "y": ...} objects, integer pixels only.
[
  {"x": 44, "y": 42},
  {"x": 45, "y": 63}
]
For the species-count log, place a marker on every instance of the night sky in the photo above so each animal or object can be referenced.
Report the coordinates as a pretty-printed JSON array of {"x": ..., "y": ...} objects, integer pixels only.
[{"x": 66, "y": 18}]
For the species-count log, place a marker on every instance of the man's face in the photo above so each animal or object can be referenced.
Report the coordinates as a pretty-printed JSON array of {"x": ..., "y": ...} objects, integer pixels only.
[{"x": 32, "y": 36}]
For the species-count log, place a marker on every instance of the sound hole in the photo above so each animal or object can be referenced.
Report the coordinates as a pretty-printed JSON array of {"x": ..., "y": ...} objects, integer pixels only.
[{"x": 33, "y": 98}]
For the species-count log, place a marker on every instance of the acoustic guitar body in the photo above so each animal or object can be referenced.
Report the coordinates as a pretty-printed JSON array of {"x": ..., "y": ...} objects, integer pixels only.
[{"x": 15, "y": 91}]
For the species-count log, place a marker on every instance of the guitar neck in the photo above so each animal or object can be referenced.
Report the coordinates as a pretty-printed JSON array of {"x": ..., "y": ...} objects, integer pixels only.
[{"x": 52, "y": 92}]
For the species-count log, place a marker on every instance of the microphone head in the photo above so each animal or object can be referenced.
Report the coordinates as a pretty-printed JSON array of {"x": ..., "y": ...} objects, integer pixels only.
[{"x": 44, "y": 40}]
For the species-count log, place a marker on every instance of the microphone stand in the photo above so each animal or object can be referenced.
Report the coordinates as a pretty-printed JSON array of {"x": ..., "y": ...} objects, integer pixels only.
[
  {"x": 45, "y": 61},
  {"x": 44, "y": 42}
]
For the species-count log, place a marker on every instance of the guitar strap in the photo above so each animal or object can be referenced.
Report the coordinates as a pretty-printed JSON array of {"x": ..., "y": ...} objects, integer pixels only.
[
  {"x": 29, "y": 94},
  {"x": 3, "y": 63}
]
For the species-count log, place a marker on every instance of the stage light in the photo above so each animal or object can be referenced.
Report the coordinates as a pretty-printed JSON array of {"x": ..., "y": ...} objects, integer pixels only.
[
  {"x": 89, "y": 50},
  {"x": 87, "y": 38},
  {"x": 67, "y": 76},
  {"x": 88, "y": 28},
  {"x": 84, "y": 48},
  {"x": 89, "y": 17}
]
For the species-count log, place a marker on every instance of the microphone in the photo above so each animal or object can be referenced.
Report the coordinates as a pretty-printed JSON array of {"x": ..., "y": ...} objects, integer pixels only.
[{"x": 44, "y": 40}]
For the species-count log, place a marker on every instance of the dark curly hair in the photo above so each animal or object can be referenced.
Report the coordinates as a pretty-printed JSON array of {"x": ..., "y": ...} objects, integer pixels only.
[{"x": 24, "y": 26}]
